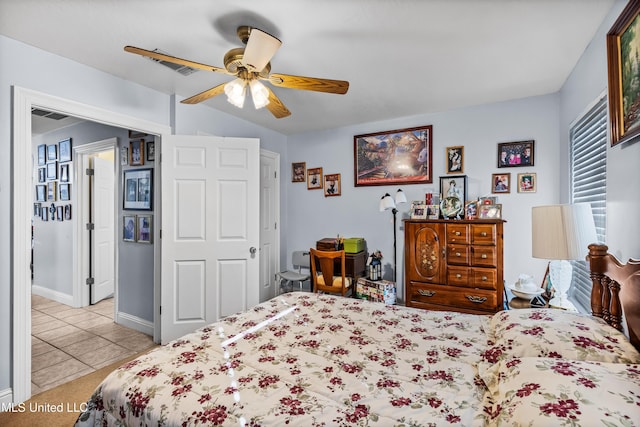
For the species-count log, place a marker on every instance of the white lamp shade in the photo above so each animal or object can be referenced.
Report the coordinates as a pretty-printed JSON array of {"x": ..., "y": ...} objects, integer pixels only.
[
  {"x": 260, "y": 49},
  {"x": 562, "y": 232},
  {"x": 400, "y": 197},
  {"x": 259, "y": 93},
  {"x": 386, "y": 202},
  {"x": 236, "y": 91}
]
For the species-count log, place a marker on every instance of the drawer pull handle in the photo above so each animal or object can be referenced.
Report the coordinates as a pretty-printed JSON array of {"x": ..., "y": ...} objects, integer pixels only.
[
  {"x": 426, "y": 293},
  {"x": 484, "y": 256},
  {"x": 484, "y": 278},
  {"x": 483, "y": 234},
  {"x": 477, "y": 300},
  {"x": 457, "y": 233},
  {"x": 458, "y": 276},
  {"x": 458, "y": 254}
]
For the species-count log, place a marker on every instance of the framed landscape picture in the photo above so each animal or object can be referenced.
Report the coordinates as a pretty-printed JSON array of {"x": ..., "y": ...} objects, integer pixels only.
[{"x": 402, "y": 156}]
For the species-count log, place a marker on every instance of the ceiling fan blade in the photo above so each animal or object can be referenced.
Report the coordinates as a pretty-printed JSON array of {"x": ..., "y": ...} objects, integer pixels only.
[
  {"x": 174, "y": 60},
  {"x": 276, "y": 107},
  {"x": 309, "y": 83},
  {"x": 260, "y": 49},
  {"x": 203, "y": 96}
]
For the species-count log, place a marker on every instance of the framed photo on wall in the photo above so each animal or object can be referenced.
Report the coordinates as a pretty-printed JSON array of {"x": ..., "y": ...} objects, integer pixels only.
[
  {"x": 42, "y": 155},
  {"x": 332, "y": 185},
  {"x": 52, "y": 191},
  {"x": 515, "y": 154},
  {"x": 526, "y": 183},
  {"x": 41, "y": 193},
  {"x": 144, "y": 228},
  {"x": 65, "y": 150},
  {"x": 52, "y": 171},
  {"x": 52, "y": 152},
  {"x": 314, "y": 179},
  {"x": 138, "y": 189},
  {"x": 129, "y": 228},
  {"x": 455, "y": 159},
  {"x": 124, "y": 156},
  {"x": 151, "y": 151},
  {"x": 402, "y": 156},
  {"x": 298, "y": 172},
  {"x": 501, "y": 183},
  {"x": 624, "y": 87},
  {"x": 136, "y": 153}
]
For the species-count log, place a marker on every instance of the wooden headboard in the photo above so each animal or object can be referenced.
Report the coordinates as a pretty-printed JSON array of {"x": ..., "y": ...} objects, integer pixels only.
[{"x": 616, "y": 291}]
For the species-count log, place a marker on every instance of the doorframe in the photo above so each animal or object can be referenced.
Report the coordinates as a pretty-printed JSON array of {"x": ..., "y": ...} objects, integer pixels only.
[
  {"x": 277, "y": 200},
  {"x": 22, "y": 174},
  {"x": 81, "y": 246}
]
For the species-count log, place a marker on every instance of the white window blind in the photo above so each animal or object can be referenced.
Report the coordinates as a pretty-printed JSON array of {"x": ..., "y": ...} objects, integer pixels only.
[{"x": 588, "y": 163}]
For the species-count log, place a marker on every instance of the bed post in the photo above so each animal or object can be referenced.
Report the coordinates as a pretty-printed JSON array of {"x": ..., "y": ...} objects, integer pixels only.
[{"x": 597, "y": 267}]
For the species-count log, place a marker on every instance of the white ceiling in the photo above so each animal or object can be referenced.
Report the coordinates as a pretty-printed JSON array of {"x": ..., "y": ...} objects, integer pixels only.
[{"x": 401, "y": 57}]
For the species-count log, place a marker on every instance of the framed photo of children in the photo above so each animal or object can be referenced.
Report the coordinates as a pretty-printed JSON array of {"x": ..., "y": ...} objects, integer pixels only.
[
  {"x": 314, "y": 179},
  {"x": 298, "y": 172},
  {"x": 471, "y": 209},
  {"x": 527, "y": 183},
  {"x": 490, "y": 211},
  {"x": 136, "y": 153},
  {"x": 501, "y": 183},
  {"x": 138, "y": 189},
  {"x": 455, "y": 159},
  {"x": 332, "y": 185},
  {"x": 515, "y": 154}
]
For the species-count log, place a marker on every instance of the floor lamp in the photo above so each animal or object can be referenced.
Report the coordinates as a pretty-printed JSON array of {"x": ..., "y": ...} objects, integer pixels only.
[
  {"x": 562, "y": 233},
  {"x": 386, "y": 203}
]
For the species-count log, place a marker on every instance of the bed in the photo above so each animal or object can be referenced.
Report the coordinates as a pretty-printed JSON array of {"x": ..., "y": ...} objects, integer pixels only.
[{"x": 307, "y": 359}]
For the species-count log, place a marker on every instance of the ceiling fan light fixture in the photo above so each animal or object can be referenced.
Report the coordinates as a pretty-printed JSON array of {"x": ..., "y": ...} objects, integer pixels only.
[
  {"x": 261, "y": 47},
  {"x": 259, "y": 93},
  {"x": 236, "y": 91}
]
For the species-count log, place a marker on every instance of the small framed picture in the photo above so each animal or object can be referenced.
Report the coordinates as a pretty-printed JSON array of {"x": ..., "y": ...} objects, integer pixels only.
[
  {"x": 124, "y": 156},
  {"x": 36, "y": 209},
  {"x": 42, "y": 155},
  {"x": 51, "y": 191},
  {"x": 44, "y": 214},
  {"x": 52, "y": 152},
  {"x": 67, "y": 212},
  {"x": 41, "y": 193},
  {"x": 65, "y": 150},
  {"x": 314, "y": 179},
  {"x": 488, "y": 200},
  {"x": 64, "y": 173},
  {"x": 129, "y": 228},
  {"x": 501, "y": 183},
  {"x": 64, "y": 192},
  {"x": 419, "y": 211},
  {"x": 52, "y": 170},
  {"x": 490, "y": 211},
  {"x": 471, "y": 209},
  {"x": 332, "y": 185},
  {"x": 526, "y": 183},
  {"x": 42, "y": 174},
  {"x": 515, "y": 154},
  {"x": 433, "y": 211},
  {"x": 151, "y": 151},
  {"x": 455, "y": 158},
  {"x": 60, "y": 213},
  {"x": 138, "y": 189},
  {"x": 136, "y": 153},
  {"x": 144, "y": 224},
  {"x": 298, "y": 172}
]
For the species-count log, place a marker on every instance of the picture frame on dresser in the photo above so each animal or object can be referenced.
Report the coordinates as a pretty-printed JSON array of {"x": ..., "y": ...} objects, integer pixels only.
[{"x": 490, "y": 211}]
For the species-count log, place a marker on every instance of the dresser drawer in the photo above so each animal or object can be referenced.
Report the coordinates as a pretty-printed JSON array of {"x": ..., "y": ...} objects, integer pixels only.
[
  {"x": 458, "y": 233},
  {"x": 472, "y": 299},
  {"x": 485, "y": 278},
  {"x": 483, "y": 234},
  {"x": 458, "y": 254},
  {"x": 484, "y": 256},
  {"x": 458, "y": 276}
]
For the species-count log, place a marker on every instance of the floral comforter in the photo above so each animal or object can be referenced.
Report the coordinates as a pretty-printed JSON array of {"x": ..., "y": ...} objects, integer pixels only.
[{"x": 326, "y": 361}]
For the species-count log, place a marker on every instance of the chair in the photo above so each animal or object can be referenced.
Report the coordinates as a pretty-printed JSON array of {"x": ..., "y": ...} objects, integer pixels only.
[
  {"x": 326, "y": 261},
  {"x": 300, "y": 260}
]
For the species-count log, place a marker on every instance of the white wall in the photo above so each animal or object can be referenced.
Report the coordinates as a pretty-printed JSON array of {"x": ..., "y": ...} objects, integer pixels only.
[{"x": 479, "y": 129}]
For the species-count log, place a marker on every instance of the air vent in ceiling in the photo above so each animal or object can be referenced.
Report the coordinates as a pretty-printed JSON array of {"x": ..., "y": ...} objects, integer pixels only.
[
  {"x": 182, "y": 69},
  {"x": 48, "y": 114}
]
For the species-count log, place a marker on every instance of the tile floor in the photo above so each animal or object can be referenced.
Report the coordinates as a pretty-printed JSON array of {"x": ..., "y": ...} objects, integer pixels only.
[{"x": 67, "y": 342}]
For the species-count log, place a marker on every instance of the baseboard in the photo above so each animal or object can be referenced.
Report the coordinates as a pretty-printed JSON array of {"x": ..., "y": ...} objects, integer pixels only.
[
  {"x": 52, "y": 295},
  {"x": 6, "y": 397},
  {"x": 135, "y": 323}
]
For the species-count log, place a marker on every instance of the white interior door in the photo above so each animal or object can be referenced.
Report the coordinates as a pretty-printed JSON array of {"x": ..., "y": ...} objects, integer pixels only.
[
  {"x": 269, "y": 223},
  {"x": 210, "y": 230},
  {"x": 103, "y": 239}
]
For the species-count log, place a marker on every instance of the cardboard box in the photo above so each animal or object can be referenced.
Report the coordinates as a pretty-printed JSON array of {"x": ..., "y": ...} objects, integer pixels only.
[{"x": 353, "y": 245}]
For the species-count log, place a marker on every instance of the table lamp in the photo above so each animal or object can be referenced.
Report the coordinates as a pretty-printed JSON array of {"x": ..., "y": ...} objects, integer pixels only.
[
  {"x": 386, "y": 202},
  {"x": 562, "y": 233}
]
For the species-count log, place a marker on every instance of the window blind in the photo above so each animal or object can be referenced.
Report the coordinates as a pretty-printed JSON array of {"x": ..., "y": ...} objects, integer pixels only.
[{"x": 588, "y": 168}]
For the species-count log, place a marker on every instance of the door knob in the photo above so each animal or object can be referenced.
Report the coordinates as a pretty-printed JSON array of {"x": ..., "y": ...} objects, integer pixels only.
[{"x": 252, "y": 250}]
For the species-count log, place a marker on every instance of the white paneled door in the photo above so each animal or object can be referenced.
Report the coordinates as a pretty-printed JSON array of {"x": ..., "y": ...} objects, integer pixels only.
[
  {"x": 102, "y": 243},
  {"x": 210, "y": 230}
]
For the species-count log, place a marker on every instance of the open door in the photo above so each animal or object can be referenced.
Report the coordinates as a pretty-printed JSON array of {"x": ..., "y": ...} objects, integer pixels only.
[
  {"x": 103, "y": 237},
  {"x": 210, "y": 230}
]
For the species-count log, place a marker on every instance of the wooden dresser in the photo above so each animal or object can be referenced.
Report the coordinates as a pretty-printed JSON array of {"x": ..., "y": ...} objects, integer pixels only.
[{"x": 454, "y": 265}]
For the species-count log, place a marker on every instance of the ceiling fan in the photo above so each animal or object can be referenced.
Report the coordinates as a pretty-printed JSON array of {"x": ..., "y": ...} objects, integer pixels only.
[{"x": 250, "y": 65}]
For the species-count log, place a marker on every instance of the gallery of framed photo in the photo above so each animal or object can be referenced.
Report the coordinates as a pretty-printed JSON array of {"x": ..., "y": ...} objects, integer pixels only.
[
  {"x": 136, "y": 153},
  {"x": 515, "y": 154},
  {"x": 298, "y": 172},
  {"x": 402, "y": 156},
  {"x": 527, "y": 183},
  {"x": 501, "y": 183},
  {"x": 455, "y": 159},
  {"x": 138, "y": 189},
  {"x": 314, "y": 179},
  {"x": 624, "y": 87},
  {"x": 332, "y": 185},
  {"x": 453, "y": 194},
  {"x": 65, "y": 150}
]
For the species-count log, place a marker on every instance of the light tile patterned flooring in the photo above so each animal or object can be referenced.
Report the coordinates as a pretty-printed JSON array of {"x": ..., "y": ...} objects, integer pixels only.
[{"x": 67, "y": 342}]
